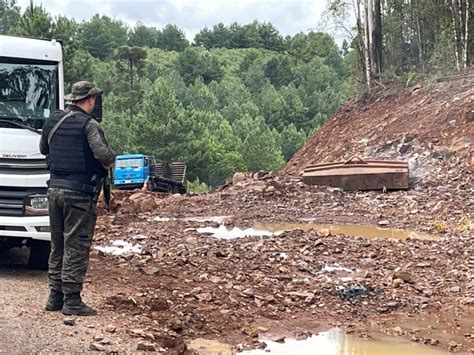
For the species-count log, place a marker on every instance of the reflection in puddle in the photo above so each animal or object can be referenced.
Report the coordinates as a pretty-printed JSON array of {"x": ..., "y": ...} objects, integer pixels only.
[
  {"x": 275, "y": 229},
  {"x": 336, "y": 342},
  {"x": 223, "y": 232}
]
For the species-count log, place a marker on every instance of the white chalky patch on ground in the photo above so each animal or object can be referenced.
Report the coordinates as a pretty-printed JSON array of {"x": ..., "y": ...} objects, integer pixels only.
[
  {"x": 217, "y": 219},
  {"x": 334, "y": 267},
  {"x": 223, "y": 232},
  {"x": 163, "y": 219},
  {"x": 119, "y": 247}
]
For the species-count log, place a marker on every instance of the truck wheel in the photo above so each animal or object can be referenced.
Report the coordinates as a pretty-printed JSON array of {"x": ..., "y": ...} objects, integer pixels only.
[{"x": 39, "y": 254}]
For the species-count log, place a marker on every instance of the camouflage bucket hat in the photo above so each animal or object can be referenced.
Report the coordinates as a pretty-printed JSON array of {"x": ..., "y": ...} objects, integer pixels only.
[{"x": 82, "y": 90}]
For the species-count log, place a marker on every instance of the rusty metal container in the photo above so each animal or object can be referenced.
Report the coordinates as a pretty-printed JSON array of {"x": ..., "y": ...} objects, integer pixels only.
[
  {"x": 359, "y": 174},
  {"x": 178, "y": 172}
]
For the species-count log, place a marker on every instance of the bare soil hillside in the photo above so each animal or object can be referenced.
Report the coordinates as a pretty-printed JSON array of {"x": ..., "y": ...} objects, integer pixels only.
[{"x": 438, "y": 120}]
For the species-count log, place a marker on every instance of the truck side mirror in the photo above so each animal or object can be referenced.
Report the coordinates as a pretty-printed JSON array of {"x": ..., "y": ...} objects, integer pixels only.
[{"x": 97, "y": 111}]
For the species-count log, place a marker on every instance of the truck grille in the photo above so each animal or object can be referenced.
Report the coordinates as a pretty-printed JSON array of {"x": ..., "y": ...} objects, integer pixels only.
[
  {"x": 23, "y": 166},
  {"x": 11, "y": 199}
]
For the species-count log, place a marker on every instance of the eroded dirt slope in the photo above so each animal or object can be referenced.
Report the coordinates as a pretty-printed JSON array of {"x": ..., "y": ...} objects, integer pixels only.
[{"x": 438, "y": 119}]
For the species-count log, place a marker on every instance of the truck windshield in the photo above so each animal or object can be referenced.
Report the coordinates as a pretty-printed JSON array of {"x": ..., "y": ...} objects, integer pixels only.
[
  {"x": 28, "y": 91},
  {"x": 129, "y": 163}
]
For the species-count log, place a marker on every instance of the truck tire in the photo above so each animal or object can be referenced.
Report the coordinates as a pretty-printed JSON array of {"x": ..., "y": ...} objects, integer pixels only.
[{"x": 39, "y": 254}]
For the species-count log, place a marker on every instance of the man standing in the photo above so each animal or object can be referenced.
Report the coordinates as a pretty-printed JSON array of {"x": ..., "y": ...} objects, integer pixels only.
[{"x": 78, "y": 157}]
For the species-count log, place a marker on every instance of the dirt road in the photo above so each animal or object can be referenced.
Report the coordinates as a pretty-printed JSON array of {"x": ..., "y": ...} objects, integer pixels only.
[{"x": 26, "y": 328}]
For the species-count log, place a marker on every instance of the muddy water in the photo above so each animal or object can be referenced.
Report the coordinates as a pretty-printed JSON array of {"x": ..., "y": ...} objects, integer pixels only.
[
  {"x": 336, "y": 342},
  {"x": 354, "y": 230},
  {"x": 444, "y": 327},
  {"x": 272, "y": 229}
]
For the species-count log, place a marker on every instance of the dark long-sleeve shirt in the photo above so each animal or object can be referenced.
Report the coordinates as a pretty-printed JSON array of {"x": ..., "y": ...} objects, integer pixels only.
[{"x": 95, "y": 137}]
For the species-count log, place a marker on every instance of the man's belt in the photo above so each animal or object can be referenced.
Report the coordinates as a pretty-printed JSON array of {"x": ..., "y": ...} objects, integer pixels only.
[{"x": 72, "y": 185}]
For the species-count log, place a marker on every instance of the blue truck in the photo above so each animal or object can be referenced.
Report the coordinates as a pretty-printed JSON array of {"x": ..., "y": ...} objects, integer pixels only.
[{"x": 133, "y": 171}]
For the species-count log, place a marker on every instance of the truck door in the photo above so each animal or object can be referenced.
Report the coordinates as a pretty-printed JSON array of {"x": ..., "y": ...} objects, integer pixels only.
[{"x": 146, "y": 167}]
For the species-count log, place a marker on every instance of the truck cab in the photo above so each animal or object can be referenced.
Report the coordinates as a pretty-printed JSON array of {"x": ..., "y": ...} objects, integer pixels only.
[
  {"x": 131, "y": 170},
  {"x": 31, "y": 88}
]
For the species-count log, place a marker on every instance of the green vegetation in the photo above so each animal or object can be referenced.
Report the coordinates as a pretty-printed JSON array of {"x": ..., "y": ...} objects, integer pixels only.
[
  {"x": 197, "y": 186},
  {"x": 397, "y": 40},
  {"x": 240, "y": 97}
]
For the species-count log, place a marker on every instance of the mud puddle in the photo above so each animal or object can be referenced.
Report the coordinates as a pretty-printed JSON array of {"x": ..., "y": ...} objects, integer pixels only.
[
  {"x": 336, "y": 342},
  {"x": 352, "y": 230},
  {"x": 443, "y": 328},
  {"x": 275, "y": 229}
]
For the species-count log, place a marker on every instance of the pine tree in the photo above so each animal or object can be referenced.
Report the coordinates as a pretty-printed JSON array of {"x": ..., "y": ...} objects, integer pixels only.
[
  {"x": 35, "y": 22},
  {"x": 9, "y": 15}
]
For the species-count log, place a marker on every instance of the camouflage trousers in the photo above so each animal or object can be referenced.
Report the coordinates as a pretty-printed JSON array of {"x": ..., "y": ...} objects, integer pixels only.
[{"x": 72, "y": 218}]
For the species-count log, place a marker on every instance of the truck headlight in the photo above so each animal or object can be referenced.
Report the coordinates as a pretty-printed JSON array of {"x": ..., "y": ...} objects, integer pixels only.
[{"x": 36, "y": 205}]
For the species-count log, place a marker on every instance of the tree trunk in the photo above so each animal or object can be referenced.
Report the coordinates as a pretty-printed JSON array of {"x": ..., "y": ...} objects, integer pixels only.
[
  {"x": 461, "y": 32},
  {"x": 401, "y": 32},
  {"x": 131, "y": 89},
  {"x": 378, "y": 36},
  {"x": 466, "y": 35},
  {"x": 360, "y": 35},
  {"x": 420, "y": 43},
  {"x": 371, "y": 25},
  {"x": 412, "y": 37},
  {"x": 455, "y": 31},
  {"x": 368, "y": 66}
]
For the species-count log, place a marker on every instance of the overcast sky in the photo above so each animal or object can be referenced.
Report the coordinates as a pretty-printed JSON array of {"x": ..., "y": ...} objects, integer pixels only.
[{"x": 288, "y": 16}]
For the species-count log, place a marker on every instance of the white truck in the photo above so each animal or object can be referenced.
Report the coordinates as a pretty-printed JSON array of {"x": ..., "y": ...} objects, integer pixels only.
[{"x": 31, "y": 87}]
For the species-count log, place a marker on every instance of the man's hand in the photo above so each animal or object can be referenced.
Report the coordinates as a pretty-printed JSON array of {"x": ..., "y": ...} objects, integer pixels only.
[{"x": 108, "y": 166}]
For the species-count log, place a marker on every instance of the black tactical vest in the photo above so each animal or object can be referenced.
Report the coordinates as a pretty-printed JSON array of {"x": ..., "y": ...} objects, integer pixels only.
[{"x": 69, "y": 152}]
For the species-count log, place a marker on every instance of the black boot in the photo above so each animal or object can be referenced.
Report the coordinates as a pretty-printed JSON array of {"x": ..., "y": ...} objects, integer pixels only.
[
  {"x": 73, "y": 306},
  {"x": 55, "y": 301}
]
